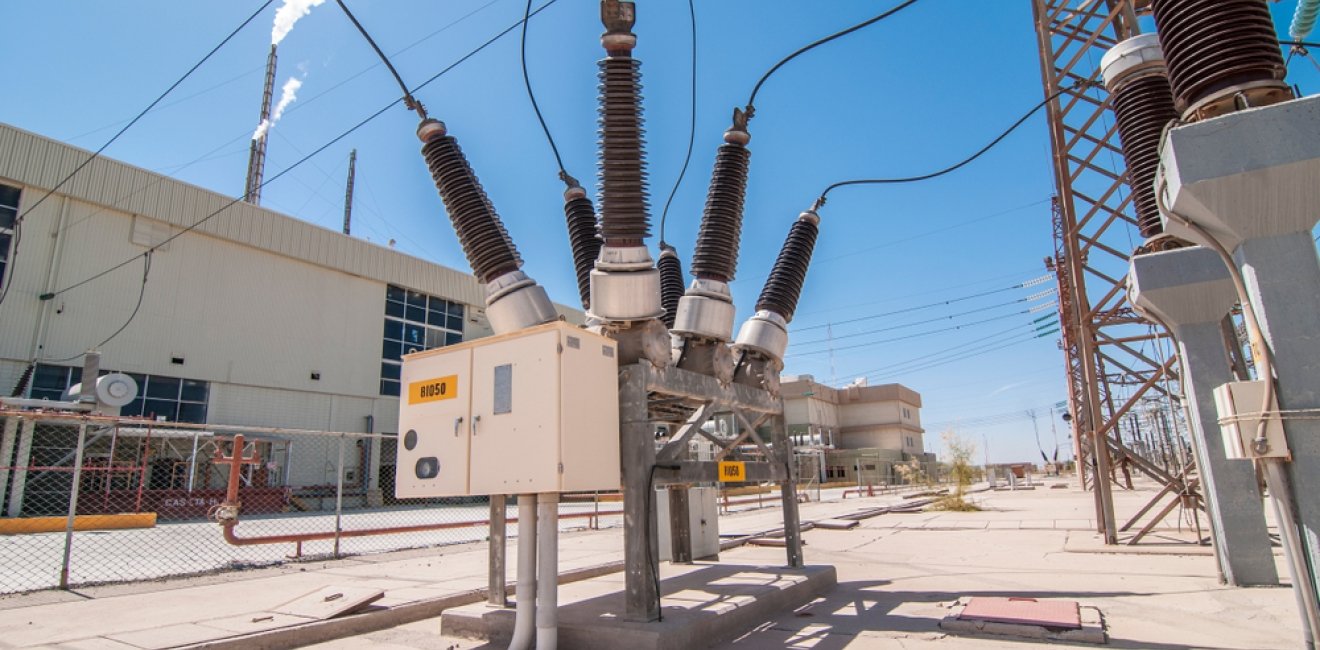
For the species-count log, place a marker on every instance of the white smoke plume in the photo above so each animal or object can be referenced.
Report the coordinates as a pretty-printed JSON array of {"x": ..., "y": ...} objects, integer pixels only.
[
  {"x": 287, "y": 15},
  {"x": 288, "y": 94}
]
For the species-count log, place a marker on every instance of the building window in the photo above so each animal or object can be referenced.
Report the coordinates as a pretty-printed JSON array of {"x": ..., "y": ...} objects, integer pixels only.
[
  {"x": 907, "y": 415},
  {"x": 8, "y": 216},
  {"x": 172, "y": 398},
  {"x": 414, "y": 322}
]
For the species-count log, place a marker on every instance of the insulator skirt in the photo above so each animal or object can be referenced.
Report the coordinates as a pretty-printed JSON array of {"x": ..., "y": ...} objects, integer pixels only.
[
  {"x": 584, "y": 241},
  {"x": 1143, "y": 107},
  {"x": 623, "y": 199},
  {"x": 486, "y": 243},
  {"x": 671, "y": 286},
  {"x": 1211, "y": 45},
  {"x": 716, "y": 254},
  {"x": 784, "y": 286}
]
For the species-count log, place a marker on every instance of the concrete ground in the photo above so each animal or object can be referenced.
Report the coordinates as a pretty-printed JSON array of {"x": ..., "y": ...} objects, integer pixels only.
[{"x": 897, "y": 574}]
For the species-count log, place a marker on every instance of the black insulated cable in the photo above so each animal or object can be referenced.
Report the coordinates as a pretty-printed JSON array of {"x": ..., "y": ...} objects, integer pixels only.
[
  {"x": 751, "y": 101},
  {"x": 531, "y": 97},
  {"x": 409, "y": 101},
  {"x": 692, "y": 132},
  {"x": 952, "y": 168},
  {"x": 784, "y": 286}
]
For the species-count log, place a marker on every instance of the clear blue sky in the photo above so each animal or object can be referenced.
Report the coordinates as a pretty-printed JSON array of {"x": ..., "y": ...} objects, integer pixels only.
[{"x": 907, "y": 96}]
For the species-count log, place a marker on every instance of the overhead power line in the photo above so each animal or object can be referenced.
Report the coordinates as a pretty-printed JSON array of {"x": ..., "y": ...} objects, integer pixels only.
[
  {"x": 868, "y": 344},
  {"x": 18, "y": 221}
]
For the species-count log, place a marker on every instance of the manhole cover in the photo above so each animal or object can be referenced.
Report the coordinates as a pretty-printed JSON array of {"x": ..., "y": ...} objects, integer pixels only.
[{"x": 1059, "y": 614}]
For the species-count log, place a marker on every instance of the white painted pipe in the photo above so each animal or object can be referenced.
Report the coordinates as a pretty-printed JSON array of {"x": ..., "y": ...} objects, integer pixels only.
[
  {"x": 547, "y": 562},
  {"x": 525, "y": 618}
]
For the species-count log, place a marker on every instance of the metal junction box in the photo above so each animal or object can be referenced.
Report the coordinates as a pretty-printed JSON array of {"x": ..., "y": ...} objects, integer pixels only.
[
  {"x": 531, "y": 411},
  {"x": 1238, "y": 403}
]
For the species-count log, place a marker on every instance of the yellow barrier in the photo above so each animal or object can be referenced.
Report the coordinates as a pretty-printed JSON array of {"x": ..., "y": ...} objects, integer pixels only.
[{"x": 30, "y": 525}]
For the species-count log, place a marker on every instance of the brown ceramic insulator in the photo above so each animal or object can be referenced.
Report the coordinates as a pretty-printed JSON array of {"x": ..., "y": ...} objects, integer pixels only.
[
  {"x": 486, "y": 243},
  {"x": 671, "y": 284},
  {"x": 584, "y": 241},
  {"x": 784, "y": 286},
  {"x": 716, "y": 254},
  {"x": 623, "y": 200},
  {"x": 1213, "y": 45},
  {"x": 1143, "y": 106}
]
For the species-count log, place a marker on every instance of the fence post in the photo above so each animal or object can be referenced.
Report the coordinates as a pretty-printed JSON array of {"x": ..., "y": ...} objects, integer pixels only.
[
  {"x": 73, "y": 506},
  {"x": 339, "y": 494}
]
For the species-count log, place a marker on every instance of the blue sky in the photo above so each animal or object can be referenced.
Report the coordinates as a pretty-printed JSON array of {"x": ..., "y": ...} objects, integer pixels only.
[{"x": 910, "y": 95}]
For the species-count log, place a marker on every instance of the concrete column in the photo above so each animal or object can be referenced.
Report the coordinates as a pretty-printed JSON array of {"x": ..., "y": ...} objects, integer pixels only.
[
  {"x": 1283, "y": 277},
  {"x": 1190, "y": 290}
]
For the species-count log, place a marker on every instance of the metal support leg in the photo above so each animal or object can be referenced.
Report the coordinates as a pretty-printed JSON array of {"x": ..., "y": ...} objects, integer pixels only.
[
  {"x": 680, "y": 531},
  {"x": 637, "y": 456},
  {"x": 788, "y": 491},
  {"x": 497, "y": 593},
  {"x": 21, "y": 462}
]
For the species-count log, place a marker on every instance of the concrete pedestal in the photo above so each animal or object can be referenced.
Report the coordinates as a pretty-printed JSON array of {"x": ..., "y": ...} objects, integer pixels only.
[
  {"x": 1190, "y": 290},
  {"x": 1282, "y": 275}
]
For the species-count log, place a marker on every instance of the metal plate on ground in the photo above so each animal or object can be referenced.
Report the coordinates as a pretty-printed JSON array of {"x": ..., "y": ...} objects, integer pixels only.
[
  {"x": 329, "y": 602},
  {"x": 836, "y": 524},
  {"x": 1061, "y": 614}
]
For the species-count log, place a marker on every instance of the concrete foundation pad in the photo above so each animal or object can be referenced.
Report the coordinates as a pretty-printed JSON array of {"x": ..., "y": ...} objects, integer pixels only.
[{"x": 703, "y": 605}]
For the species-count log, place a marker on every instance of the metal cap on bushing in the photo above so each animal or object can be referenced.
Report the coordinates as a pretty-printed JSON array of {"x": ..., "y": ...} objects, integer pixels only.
[
  {"x": 514, "y": 301},
  {"x": 1134, "y": 56},
  {"x": 625, "y": 285},
  {"x": 1223, "y": 55},
  {"x": 1138, "y": 81},
  {"x": 765, "y": 332}
]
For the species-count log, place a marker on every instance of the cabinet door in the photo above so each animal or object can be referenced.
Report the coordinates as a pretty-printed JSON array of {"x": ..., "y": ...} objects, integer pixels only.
[
  {"x": 434, "y": 407},
  {"x": 515, "y": 416}
]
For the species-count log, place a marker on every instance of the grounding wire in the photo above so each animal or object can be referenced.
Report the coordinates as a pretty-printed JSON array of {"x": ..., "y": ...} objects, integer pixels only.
[
  {"x": 408, "y": 100},
  {"x": 531, "y": 97},
  {"x": 751, "y": 101},
  {"x": 18, "y": 221},
  {"x": 299, "y": 162},
  {"x": 959, "y": 165},
  {"x": 692, "y": 125}
]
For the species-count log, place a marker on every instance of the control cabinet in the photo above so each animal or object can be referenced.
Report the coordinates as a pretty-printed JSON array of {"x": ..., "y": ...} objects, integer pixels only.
[{"x": 526, "y": 412}]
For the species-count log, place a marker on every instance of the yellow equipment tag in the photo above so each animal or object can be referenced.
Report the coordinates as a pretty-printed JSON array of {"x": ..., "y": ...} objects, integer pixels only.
[
  {"x": 733, "y": 471},
  {"x": 433, "y": 390}
]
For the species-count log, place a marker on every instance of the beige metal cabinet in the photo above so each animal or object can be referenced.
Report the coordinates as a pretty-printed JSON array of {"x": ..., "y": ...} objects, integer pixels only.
[
  {"x": 535, "y": 411},
  {"x": 434, "y": 414}
]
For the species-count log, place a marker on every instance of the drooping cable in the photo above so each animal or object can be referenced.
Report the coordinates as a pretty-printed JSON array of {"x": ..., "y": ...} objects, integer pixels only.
[
  {"x": 692, "y": 134},
  {"x": 751, "y": 101},
  {"x": 304, "y": 159},
  {"x": 531, "y": 97},
  {"x": 18, "y": 221},
  {"x": 142, "y": 292},
  {"x": 952, "y": 168},
  {"x": 408, "y": 100}
]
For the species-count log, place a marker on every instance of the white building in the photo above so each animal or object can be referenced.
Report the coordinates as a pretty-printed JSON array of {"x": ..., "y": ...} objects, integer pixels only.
[{"x": 252, "y": 318}]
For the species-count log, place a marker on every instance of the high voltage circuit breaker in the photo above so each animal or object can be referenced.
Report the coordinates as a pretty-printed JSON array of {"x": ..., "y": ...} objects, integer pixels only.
[{"x": 531, "y": 411}]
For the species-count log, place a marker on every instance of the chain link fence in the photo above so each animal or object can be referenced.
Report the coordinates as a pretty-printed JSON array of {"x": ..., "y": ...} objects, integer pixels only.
[{"x": 91, "y": 500}]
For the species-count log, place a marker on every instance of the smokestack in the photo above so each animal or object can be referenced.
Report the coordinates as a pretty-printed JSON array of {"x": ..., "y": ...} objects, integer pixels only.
[
  {"x": 348, "y": 191},
  {"x": 256, "y": 171}
]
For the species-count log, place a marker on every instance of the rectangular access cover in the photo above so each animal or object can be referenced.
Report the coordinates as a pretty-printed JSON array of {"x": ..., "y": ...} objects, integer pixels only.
[{"x": 1024, "y": 611}]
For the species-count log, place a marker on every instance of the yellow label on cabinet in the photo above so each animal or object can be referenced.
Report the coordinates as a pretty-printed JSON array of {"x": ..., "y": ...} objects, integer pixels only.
[
  {"x": 433, "y": 390},
  {"x": 732, "y": 471}
]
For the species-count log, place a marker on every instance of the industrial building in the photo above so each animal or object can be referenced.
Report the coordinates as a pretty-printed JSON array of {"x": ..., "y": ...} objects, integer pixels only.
[
  {"x": 251, "y": 318},
  {"x": 861, "y": 432}
]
